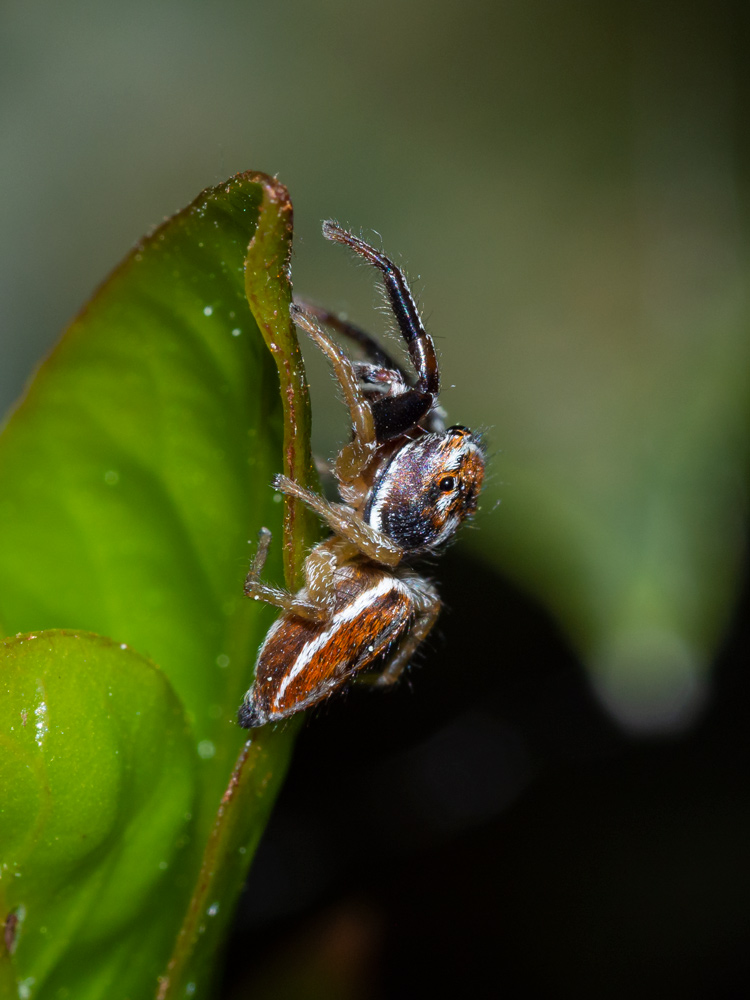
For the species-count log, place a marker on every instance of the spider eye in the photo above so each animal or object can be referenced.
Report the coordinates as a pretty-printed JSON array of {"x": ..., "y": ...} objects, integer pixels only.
[{"x": 447, "y": 483}]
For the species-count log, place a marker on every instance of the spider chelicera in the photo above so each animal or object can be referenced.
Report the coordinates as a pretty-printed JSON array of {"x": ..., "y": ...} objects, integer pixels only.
[{"x": 406, "y": 483}]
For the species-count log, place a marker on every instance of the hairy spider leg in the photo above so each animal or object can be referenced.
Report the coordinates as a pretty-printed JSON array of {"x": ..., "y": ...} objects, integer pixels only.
[
  {"x": 290, "y": 604},
  {"x": 385, "y": 364},
  {"x": 429, "y": 606},
  {"x": 419, "y": 342},
  {"x": 345, "y": 522},
  {"x": 401, "y": 658},
  {"x": 395, "y": 415},
  {"x": 372, "y": 349},
  {"x": 355, "y": 456}
]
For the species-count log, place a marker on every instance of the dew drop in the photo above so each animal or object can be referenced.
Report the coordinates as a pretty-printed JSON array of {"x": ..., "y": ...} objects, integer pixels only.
[
  {"x": 24, "y": 988},
  {"x": 41, "y": 723}
]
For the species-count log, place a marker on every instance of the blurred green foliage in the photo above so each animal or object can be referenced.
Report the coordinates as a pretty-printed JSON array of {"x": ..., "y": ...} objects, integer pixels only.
[{"x": 100, "y": 781}]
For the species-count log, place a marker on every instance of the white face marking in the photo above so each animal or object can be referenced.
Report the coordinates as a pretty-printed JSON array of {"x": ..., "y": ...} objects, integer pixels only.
[
  {"x": 376, "y": 511},
  {"x": 392, "y": 472},
  {"x": 450, "y": 526},
  {"x": 459, "y": 453},
  {"x": 465, "y": 448},
  {"x": 347, "y": 614},
  {"x": 443, "y": 503}
]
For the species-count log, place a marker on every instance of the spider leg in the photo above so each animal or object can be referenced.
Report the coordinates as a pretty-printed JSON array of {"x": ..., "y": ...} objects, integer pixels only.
[
  {"x": 395, "y": 415},
  {"x": 406, "y": 650},
  {"x": 346, "y": 523},
  {"x": 374, "y": 353},
  {"x": 383, "y": 363},
  {"x": 256, "y": 590},
  {"x": 380, "y": 370},
  {"x": 356, "y": 455}
]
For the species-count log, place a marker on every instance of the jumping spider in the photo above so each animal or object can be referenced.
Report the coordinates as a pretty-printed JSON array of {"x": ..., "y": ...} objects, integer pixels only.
[{"x": 406, "y": 484}]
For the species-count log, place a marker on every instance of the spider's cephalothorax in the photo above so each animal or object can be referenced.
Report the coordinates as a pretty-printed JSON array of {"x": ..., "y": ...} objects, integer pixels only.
[
  {"x": 406, "y": 484},
  {"x": 426, "y": 489}
]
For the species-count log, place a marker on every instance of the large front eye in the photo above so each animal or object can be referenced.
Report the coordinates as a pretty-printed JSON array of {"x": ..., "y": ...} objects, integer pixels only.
[{"x": 447, "y": 483}]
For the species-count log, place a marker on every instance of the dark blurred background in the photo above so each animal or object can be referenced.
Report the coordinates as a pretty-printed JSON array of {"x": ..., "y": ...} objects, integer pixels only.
[
  {"x": 559, "y": 794},
  {"x": 487, "y": 831}
]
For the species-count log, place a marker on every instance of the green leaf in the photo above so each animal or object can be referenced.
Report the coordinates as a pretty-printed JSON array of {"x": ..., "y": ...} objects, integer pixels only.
[
  {"x": 245, "y": 804},
  {"x": 99, "y": 772},
  {"x": 132, "y": 476},
  {"x": 138, "y": 465}
]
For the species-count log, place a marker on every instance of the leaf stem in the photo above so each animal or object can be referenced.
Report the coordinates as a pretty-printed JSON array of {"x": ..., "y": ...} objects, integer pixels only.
[{"x": 248, "y": 797}]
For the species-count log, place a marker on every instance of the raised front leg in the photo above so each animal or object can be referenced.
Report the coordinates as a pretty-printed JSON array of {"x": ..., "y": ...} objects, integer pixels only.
[
  {"x": 374, "y": 352},
  {"x": 395, "y": 415},
  {"x": 382, "y": 368},
  {"x": 355, "y": 456}
]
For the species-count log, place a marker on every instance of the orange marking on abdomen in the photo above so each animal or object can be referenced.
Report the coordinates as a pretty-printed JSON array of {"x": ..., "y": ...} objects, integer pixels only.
[{"x": 302, "y": 662}]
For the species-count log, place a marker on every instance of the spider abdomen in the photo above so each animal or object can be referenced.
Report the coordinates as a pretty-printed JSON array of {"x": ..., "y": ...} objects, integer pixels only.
[{"x": 301, "y": 662}]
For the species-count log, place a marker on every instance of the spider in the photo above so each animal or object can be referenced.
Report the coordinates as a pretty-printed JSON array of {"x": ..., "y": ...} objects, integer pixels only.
[{"x": 406, "y": 483}]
